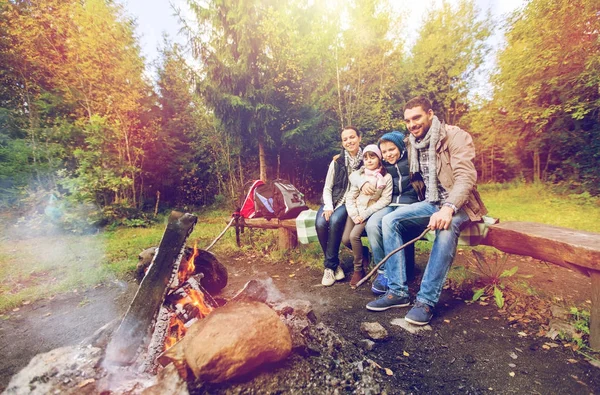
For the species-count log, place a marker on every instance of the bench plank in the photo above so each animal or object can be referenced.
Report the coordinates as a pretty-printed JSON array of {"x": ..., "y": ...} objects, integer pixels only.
[{"x": 574, "y": 249}]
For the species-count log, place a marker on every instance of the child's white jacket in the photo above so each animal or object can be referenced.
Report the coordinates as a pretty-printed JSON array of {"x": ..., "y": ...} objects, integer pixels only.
[{"x": 359, "y": 204}]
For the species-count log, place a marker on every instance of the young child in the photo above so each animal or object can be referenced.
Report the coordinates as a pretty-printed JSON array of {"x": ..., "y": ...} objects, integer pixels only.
[{"x": 361, "y": 206}]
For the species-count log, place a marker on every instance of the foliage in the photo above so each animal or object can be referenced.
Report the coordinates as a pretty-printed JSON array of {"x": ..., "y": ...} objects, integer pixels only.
[
  {"x": 550, "y": 100},
  {"x": 450, "y": 49},
  {"x": 581, "y": 323},
  {"x": 493, "y": 275},
  {"x": 276, "y": 80}
]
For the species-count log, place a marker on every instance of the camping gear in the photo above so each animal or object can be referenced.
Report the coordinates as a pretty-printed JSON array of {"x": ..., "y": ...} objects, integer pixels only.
[
  {"x": 247, "y": 209},
  {"x": 278, "y": 199}
]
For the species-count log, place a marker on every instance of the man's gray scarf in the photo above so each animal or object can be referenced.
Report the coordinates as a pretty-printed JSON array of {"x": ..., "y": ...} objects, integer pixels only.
[{"x": 431, "y": 139}]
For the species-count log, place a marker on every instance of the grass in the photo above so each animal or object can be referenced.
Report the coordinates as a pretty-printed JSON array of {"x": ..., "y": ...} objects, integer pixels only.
[
  {"x": 538, "y": 203},
  {"x": 36, "y": 266}
]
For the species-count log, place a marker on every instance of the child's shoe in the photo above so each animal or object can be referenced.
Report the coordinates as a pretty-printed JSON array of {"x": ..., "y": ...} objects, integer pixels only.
[{"x": 356, "y": 277}]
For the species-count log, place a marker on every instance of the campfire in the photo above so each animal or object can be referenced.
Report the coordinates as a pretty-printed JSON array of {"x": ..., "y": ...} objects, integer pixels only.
[
  {"x": 176, "y": 338},
  {"x": 174, "y": 327}
]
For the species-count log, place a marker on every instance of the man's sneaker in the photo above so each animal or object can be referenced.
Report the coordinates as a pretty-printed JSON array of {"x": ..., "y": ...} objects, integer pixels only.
[
  {"x": 328, "y": 278},
  {"x": 356, "y": 277},
  {"x": 420, "y": 314},
  {"x": 388, "y": 301},
  {"x": 379, "y": 286},
  {"x": 339, "y": 273}
]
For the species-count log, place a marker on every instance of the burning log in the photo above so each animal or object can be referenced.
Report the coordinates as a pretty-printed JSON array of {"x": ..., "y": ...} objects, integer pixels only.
[{"x": 134, "y": 329}]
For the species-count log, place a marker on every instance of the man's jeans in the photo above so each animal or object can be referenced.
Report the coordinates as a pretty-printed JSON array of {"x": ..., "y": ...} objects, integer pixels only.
[
  {"x": 375, "y": 236},
  {"x": 330, "y": 234},
  {"x": 403, "y": 225}
]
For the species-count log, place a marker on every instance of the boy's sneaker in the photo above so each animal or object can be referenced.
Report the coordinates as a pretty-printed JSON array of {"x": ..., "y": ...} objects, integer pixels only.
[
  {"x": 379, "y": 286},
  {"x": 328, "y": 278},
  {"x": 420, "y": 314},
  {"x": 339, "y": 273},
  {"x": 388, "y": 301}
]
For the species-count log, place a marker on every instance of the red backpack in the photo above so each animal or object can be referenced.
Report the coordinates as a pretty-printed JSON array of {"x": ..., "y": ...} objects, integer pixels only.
[{"x": 247, "y": 210}]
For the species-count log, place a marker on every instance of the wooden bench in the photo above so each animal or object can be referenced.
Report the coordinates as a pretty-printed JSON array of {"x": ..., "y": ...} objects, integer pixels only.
[
  {"x": 288, "y": 238},
  {"x": 573, "y": 249}
]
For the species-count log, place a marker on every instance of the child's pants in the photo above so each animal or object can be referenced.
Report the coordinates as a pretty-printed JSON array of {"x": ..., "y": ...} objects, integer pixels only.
[{"x": 351, "y": 239}]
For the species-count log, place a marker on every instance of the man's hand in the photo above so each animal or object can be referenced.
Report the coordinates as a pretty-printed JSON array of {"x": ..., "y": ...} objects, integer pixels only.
[
  {"x": 441, "y": 219},
  {"x": 327, "y": 214},
  {"x": 368, "y": 189}
]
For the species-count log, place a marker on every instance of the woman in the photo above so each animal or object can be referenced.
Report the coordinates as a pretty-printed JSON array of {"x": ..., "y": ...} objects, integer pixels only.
[{"x": 332, "y": 215}]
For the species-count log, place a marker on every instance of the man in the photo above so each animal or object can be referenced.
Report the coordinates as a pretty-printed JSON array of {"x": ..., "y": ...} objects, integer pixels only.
[{"x": 442, "y": 155}]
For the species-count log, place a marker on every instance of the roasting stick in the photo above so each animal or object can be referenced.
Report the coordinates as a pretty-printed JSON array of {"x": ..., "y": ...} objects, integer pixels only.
[
  {"x": 365, "y": 278},
  {"x": 221, "y": 235}
]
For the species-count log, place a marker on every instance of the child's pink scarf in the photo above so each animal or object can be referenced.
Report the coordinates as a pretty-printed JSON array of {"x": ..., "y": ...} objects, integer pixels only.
[{"x": 377, "y": 174}]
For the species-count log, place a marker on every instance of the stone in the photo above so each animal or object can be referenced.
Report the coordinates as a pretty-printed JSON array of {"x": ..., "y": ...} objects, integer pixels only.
[
  {"x": 144, "y": 260},
  {"x": 259, "y": 290},
  {"x": 367, "y": 345},
  {"x": 558, "y": 327},
  {"x": 298, "y": 307},
  {"x": 64, "y": 370},
  {"x": 234, "y": 340},
  {"x": 168, "y": 382},
  {"x": 374, "y": 330},
  {"x": 559, "y": 312},
  {"x": 407, "y": 326}
]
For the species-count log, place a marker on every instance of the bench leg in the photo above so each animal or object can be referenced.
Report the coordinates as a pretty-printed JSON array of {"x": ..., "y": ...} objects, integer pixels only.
[
  {"x": 595, "y": 311},
  {"x": 288, "y": 239}
]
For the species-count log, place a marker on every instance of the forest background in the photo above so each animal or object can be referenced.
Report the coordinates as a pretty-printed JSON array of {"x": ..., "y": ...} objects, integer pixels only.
[{"x": 84, "y": 130}]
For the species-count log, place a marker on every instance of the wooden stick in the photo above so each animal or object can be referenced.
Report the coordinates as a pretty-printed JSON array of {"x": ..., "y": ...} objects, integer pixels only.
[
  {"x": 365, "y": 278},
  {"x": 221, "y": 235}
]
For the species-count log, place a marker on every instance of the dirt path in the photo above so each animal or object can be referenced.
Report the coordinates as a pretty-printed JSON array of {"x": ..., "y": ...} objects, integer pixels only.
[{"x": 471, "y": 349}]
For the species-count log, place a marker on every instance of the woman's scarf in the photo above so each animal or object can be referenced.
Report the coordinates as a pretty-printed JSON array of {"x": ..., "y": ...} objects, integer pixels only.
[
  {"x": 380, "y": 182},
  {"x": 353, "y": 163},
  {"x": 430, "y": 141}
]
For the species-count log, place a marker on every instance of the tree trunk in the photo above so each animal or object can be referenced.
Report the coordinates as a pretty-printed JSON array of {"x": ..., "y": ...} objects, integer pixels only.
[
  {"x": 337, "y": 71},
  {"x": 278, "y": 165},
  {"x": 492, "y": 169},
  {"x": 262, "y": 160},
  {"x": 536, "y": 165}
]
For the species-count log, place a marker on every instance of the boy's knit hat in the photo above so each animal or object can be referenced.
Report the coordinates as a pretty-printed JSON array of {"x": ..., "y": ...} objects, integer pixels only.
[
  {"x": 395, "y": 137},
  {"x": 372, "y": 148}
]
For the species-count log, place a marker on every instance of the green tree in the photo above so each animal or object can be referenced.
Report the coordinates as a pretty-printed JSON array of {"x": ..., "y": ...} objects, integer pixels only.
[
  {"x": 547, "y": 87},
  {"x": 448, "y": 52}
]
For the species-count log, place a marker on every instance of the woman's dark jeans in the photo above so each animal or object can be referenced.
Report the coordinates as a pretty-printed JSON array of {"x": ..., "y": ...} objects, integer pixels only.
[{"x": 330, "y": 235}]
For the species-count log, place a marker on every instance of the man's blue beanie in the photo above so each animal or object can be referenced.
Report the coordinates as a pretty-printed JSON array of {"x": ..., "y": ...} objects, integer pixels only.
[{"x": 395, "y": 137}]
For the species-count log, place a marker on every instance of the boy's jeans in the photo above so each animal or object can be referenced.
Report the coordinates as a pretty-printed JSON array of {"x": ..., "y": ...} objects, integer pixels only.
[
  {"x": 403, "y": 225},
  {"x": 330, "y": 235},
  {"x": 375, "y": 235}
]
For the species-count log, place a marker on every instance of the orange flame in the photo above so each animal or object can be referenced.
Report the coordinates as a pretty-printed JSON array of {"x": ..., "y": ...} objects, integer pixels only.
[
  {"x": 177, "y": 330},
  {"x": 177, "y": 327},
  {"x": 188, "y": 270}
]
